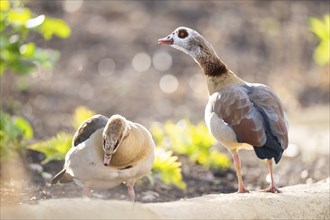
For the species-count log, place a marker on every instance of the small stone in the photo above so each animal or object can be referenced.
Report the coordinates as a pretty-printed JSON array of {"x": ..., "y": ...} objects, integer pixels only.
[
  {"x": 36, "y": 167},
  {"x": 46, "y": 175},
  {"x": 309, "y": 181},
  {"x": 149, "y": 196},
  {"x": 304, "y": 174}
]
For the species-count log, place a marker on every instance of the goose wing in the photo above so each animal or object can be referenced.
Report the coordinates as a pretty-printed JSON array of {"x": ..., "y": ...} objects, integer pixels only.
[
  {"x": 88, "y": 127},
  {"x": 255, "y": 114},
  {"x": 270, "y": 106}
]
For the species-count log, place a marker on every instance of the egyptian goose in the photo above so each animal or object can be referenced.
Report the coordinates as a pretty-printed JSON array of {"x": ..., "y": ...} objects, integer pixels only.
[
  {"x": 240, "y": 115},
  {"x": 106, "y": 152}
]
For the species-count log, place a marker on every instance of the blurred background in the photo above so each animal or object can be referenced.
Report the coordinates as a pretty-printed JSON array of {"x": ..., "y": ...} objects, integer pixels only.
[
  {"x": 109, "y": 61},
  {"x": 112, "y": 63}
]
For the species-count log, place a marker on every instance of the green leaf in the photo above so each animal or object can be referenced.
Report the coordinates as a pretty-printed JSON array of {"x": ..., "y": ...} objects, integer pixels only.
[
  {"x": 53, "y": 26},
  {"x": 23, "y": 66},
  {"x": 218, "y": 160},
  {"x": 195, "y": 141},
  {"x": 54, "y": 148},
  {"x": 14, "y": 131},
  {"x": 24, "y": 126},
  {"x": 168, "y": 168},
  {"x": 27, "y": 50},
  {"x": 157, "y": 132},
  {"x": 19, "y": 16},
  {"x": 4, "y": 42},
  {"x": 321, "y": 53},
  {"x": 321, "y": 28},
  {"x": 4, "y": 5}
]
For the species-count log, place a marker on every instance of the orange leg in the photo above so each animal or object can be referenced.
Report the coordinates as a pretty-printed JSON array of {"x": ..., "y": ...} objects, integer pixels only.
[
  {"x": 272, "y": 187},
  {"x": 237, "y": 163}
]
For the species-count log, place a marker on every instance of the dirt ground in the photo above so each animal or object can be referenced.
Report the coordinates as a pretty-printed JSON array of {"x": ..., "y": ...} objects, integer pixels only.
[
  {"x": 97, "y": 70},
  {"x": 306, "y": 201}
]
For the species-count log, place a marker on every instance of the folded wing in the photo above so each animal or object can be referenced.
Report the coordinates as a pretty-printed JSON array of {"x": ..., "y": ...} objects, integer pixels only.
[
  {"x": 88, "y": 127},
  {"x": 256, "y": 116}
]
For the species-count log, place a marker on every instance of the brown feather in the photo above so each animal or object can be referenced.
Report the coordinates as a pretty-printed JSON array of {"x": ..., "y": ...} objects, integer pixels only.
[{"x": 236, "y": 109}]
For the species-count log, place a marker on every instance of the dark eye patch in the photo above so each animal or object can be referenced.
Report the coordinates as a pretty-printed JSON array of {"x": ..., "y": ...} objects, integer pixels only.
[{"x": 183, "y": 33}]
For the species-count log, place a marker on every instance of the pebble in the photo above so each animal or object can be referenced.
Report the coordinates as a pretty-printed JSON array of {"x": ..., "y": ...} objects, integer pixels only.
[
  {"x": 46, "y": 175},
  {"x": 304, "y": 174},
  {"x": 149, "y": 196},
  {"x": 36, "y": 167},
  {"x": 309, "y": 181}
]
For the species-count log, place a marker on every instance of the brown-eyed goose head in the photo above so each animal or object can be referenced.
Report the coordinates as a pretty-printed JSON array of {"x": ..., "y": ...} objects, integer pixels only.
[
  {"x": 190, "y": 42},
  {"x": 195, "y": 45},
  {"x": 115, "y": 131}
]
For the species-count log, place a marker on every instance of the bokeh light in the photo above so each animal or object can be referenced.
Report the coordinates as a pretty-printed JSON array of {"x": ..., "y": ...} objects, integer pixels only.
[
  {"x": 141, "y": 62},
  {"x": 168, "y": 83},
  {"x": 72, "y": 5},
  {"x": 162, "y": 61},
  {"x": 106, "y": 66}
]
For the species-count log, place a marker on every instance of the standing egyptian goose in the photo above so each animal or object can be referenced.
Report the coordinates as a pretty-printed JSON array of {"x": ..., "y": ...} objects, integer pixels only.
[
  {"x": 238, "y": 114},
  {"x": 106, "y": 152}
]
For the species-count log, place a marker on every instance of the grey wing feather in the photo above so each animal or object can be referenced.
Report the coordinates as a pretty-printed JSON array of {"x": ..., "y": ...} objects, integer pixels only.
[
  {"x": 265, "y": 98},
  {"x": 88, "y": 127},
  {"x": 234, "y": 107}
]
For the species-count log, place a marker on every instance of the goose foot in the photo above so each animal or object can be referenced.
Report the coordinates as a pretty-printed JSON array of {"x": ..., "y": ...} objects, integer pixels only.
[{"x": 271, "y": 189}]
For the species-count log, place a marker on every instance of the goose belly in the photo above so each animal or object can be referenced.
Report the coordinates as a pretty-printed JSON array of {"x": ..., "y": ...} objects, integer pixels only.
[{"x": 223, "y": 133}]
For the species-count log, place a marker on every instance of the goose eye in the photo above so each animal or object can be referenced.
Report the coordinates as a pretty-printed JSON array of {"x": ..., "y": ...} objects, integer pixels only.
[{"x": 183, "y": 33}]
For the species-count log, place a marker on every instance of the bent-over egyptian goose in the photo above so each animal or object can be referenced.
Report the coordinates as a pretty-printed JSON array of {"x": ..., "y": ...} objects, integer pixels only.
[
  {"x": 106, "y": 152},
  {"x": 238, "y": 114}
]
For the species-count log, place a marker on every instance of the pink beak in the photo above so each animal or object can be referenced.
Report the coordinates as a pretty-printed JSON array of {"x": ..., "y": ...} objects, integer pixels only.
[
  {"x": 106, "y": 160},
  {"x": 166, "y": 40}
]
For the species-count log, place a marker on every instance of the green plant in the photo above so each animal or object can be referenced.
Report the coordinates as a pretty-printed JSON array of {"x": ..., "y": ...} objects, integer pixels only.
[
  {"x": 17, "y": 54},
  {"x": 321, "y": 28},
  {"x": 57, "y": 147},
  {"x": 195, "y": 141},
  {"x": 15, "y": 132},
  {"x": 20, "y": 56},
  {"x": 168, "y": 168}
]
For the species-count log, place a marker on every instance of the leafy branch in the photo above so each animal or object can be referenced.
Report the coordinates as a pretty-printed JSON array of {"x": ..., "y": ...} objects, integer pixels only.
[{"x": 16, "y": 23}]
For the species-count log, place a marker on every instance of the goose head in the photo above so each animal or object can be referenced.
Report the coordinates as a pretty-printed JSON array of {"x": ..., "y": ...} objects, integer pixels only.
[
  {"x": 190, "y": 42},
  {"x": 115, "y": 131}
]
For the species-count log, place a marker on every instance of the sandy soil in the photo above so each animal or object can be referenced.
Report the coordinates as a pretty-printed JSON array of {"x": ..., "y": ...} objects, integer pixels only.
[{"x": 296, "y": 202}]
